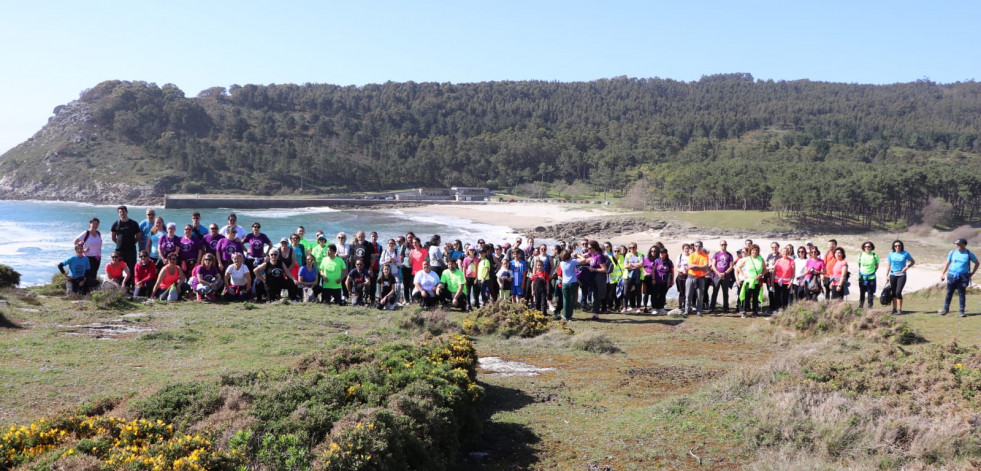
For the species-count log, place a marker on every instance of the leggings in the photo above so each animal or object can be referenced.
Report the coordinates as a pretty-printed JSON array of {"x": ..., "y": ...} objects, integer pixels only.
[
  {"x": 659, "y": 295},
  {"x": 752, "y": 300},
  {"x": 407, "y": 283},
  {"x": 471, "y": 282},
  {"x": 680, "y": 282},
  {"x": 897, "y": 283},
  {"x": 647, "y": 285},
  {"x": 782, "y": 294}
]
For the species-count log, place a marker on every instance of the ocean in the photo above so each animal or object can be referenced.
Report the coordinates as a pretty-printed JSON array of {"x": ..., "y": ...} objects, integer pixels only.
[{"x": 36, "y": 235}]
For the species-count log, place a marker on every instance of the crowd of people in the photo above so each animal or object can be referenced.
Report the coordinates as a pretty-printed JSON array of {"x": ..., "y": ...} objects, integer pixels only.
[{"x": 234, "y": 264}]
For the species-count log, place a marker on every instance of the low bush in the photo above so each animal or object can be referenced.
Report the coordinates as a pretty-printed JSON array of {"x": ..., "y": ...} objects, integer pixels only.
[
  {"x": 358, "y": 406},
  {"x": 110, "y": 299},
  {"x": 9, "y": 278},
  {"x": 816, "y": 318},
  {"x": 433, "y": 322},
  {"x": 182, "y": 404},
  {"x": 595, "y": 343},
  {"x": 56, "y": 287},
  {"x": 507, "y": 320},
  {"x": 112, "y": 443}
]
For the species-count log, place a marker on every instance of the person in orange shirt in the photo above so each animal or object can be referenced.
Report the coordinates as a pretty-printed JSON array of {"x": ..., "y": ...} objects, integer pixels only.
[
  {"x": 698, "y": 269},
  {"x": 829, "y": 266}
]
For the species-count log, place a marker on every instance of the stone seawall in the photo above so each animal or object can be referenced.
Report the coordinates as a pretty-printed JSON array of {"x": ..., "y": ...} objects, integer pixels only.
[{"x": 255, "y": 202}]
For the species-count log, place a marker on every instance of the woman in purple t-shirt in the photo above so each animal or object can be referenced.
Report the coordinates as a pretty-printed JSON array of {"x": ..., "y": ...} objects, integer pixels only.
[
  {"x": 190, "y": 249},
  {"x": 169, "y": 242},
  {"x": 815, "y": 266}
]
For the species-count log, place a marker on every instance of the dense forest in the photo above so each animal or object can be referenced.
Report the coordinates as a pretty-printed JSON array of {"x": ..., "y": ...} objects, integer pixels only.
[{"x": 814, "y": 150}]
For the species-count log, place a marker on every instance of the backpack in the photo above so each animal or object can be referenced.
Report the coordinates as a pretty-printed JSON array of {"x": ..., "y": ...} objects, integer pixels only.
[{"x": 885, "y": 297}]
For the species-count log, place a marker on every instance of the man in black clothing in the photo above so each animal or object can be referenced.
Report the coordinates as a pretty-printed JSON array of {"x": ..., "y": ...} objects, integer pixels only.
[{"x": 127, "y": 235}]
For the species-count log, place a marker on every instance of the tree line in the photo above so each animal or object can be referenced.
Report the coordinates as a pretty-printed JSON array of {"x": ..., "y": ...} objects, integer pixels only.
[{"x": 810, "y": 149}]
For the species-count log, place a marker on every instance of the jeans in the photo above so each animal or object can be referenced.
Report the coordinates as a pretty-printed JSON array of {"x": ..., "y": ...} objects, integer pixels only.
[
  {"x": 866, "y": 287},
  {"x": 724, "y": 284},
  {"x": 957, "y": 283},
  {"x": 695, "y": 288}
]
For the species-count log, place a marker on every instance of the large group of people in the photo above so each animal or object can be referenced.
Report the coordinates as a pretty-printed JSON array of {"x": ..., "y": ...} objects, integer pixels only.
[{"x": 234, "y": 264}]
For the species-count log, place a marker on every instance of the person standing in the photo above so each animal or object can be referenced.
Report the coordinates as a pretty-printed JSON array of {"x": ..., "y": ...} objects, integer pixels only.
[
  {"x": 839, "y": 275},
  {"x": 899, "y": 262},
  {"x": 91, "y": 241},
  {"x": 829, "y": 266},
  {"x": 126, "y": 234},
  {"x": 957, "y": 273},
  {"x": 681, "y": 275},
  {"x": 570, "y": 284},
  {"x": 753, "y": 269},
  {"x": 698, "y": 269},
  {"x": 868, "y": 264},
  {"x": 148, "y": 223},
  {"x": 663, "y": 277},
  {"x": 723, "y": 264},
  {"x": 332, "y": 272}
]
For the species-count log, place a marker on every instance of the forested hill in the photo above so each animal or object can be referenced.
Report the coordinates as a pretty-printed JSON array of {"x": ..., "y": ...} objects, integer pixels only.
[{"x": 725, "y": 141}]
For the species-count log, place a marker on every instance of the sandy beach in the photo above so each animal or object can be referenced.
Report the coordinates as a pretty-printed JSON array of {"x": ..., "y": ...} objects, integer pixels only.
[{"x": 524, "y": 217}]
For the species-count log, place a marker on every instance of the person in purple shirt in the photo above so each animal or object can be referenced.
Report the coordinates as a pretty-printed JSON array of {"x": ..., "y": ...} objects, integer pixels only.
[
  {"x": 662, "y": 270},
  {"x": 723, "y": 265},
  {"x": 226, "y": 248},
  {"x": 211, "y": 240},
  {"x": 169, "y": 242},
  {"x": 255, "y": 244},
  {"x": 190, "y": 249}
]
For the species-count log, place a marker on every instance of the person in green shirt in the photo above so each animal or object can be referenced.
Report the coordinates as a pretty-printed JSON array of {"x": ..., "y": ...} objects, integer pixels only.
[
  {"x": 332, "y": 270},
  {"x": 319, "y": 251},
  {"x": 453, "y": 286},
  {"x": 868, "y": 263},
  {"x": 307, "y": 244}
]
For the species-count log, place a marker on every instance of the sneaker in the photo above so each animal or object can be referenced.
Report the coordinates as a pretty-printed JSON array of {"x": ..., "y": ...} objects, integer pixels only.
[
  {"x": 594, "y": 318},
  {"x": 640, "y": 310},
  {"x": 962, "y": 314},
  {"x": 893, "y": 312},
  {"x": 698, "y": 313},
  {"x": 557, "y": 318},
  {"x": 623, "y": 310},
  {"x": 942, "y": 312},
  {"x": 742, "y": 315}
]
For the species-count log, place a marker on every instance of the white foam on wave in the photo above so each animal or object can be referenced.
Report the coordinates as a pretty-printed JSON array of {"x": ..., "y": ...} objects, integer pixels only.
[
  {"x": 280, "y": 213},
  {"x": 464, "y": 229}
]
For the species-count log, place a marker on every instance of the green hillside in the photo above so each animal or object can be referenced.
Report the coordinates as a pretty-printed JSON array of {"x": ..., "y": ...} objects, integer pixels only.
[{"x": 810, "y": 149}]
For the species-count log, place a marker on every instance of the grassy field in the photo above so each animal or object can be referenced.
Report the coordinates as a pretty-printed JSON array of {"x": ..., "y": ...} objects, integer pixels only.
[{"x": 667, "y": 393}]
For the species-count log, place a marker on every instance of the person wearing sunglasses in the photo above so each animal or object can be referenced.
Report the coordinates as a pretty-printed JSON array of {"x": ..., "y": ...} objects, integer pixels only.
[
  {"x": 144, "y": 274},
  {"x": 868, "y": 264},
  {"x": 274, "y": 277},
  {"x": 899, "y": 262},
  {"x": 255, "y": 243},
  {"x": 117, "y": 272},
  {"x": 171, "y": 281},
  {"x": 206, "y": 279}
]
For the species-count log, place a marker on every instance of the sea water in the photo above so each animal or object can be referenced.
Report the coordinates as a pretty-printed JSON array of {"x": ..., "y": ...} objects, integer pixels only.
[{"x": 36, "y": 235}]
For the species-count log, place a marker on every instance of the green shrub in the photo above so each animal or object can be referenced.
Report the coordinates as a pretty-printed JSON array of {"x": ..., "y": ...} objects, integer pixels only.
[
  {"x": 506, "y": 319},
  {"x": 110, "y": 299},
  {"x": 837, "y": 317},
  {"x": 433, "y": 322},
  {"x": 181, "y": 404},
  {"x": 595, "y": 343},
  {"x": 9, "y": 278},
  {"x": 284, "y": 452},
  {"x": 55, "y": 288}
]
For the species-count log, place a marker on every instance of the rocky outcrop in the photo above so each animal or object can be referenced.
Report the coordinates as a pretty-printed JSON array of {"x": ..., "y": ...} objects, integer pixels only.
[
  {"x": 96, "y": 193},
  {"x": 596, "y": 228}
]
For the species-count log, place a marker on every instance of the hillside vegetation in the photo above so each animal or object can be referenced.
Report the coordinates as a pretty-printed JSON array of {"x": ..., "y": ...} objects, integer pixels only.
[{"x": 814, "y": 149}]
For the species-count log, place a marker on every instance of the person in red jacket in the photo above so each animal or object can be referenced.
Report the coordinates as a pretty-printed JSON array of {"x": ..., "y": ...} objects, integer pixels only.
[
  {"x": 539, "y": 285},
  {"x": 144, "y": 275}
]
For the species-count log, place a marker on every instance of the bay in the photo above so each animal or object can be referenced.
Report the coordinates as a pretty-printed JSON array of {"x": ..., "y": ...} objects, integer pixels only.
[{"x": 36, "y": 235}]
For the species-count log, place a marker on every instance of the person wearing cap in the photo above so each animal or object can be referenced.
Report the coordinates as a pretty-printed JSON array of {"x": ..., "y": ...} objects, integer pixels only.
[
  {"x": 320, "y": 251},
  {"x": 957, "y": 273},
  {"x": 698, "y": 270},
  {"x": 288, "y": 256}
]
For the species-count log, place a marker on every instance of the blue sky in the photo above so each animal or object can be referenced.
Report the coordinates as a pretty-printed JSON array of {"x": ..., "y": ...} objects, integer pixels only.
[{"x": 52, "y": 50}]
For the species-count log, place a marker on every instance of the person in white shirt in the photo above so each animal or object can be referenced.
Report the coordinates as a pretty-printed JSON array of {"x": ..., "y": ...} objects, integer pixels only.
[{"x": 425, "y": 283}]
